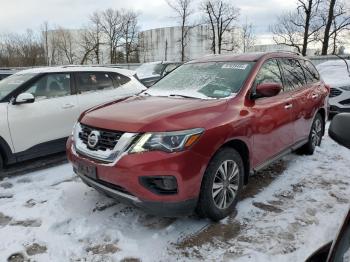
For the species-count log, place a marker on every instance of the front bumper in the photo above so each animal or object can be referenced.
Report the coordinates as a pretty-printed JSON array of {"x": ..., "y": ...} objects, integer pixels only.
[
  {"x": 165, "y": 209},
  {"x": 122, "y": 180}
]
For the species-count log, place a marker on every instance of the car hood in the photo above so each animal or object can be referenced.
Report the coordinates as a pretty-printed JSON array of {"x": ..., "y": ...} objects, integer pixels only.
[
  {"x": 336, "y": 75},
  {"x": 147, "y": 114}
]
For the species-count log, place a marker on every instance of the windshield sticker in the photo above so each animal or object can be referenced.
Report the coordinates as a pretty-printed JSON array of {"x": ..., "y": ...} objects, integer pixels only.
[{"x": 235, "y": 66}]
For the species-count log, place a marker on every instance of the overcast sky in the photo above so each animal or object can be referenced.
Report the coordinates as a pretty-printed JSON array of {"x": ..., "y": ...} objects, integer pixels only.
[{"x": 18, "y": 15}]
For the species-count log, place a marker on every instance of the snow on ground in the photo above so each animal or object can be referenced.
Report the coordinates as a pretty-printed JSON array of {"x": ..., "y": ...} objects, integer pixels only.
[{"x": 287, "y": 211}]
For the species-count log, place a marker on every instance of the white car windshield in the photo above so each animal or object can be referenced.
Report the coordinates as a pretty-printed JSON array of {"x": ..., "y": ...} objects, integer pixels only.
[
  {"x": 11, "y": 83},
  {"x": 149, "y": 70},
  {"x": 206, "y": 80}
]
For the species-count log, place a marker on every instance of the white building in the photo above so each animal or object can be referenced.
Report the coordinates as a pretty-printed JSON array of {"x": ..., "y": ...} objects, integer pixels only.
[{"x": 164, "y": 43}]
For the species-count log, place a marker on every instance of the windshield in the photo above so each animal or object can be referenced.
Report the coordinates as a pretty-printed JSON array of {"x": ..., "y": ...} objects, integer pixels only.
[
  {"x": 149, "y": 70},
  {"x": 10, "y": 83},
  {"x": 203, "y": 80}
]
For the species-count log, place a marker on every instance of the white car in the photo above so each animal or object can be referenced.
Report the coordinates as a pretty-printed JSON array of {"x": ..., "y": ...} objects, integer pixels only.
[
  {"x": 336, "y": 75},
  {"x": 38, "y": 107}
]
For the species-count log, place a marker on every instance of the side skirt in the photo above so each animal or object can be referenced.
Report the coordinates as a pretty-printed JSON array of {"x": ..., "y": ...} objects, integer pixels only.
[
  {"x": 43, "y": 149},
  {"x": 279, "y": 156}
]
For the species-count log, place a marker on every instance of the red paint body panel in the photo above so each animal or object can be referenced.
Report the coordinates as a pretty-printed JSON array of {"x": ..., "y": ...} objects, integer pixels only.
[{"x": 267, "y": 126}]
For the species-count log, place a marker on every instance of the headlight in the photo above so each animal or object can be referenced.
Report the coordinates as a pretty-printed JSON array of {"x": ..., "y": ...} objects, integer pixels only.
[
  {"x": 76, "y": 131},
  {"x": 346, "y": 88},
  {"x": 167, "y": 141}
]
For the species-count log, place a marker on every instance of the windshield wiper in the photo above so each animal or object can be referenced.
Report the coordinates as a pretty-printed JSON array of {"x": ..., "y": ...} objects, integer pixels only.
[{"x": 184, "y": 96}]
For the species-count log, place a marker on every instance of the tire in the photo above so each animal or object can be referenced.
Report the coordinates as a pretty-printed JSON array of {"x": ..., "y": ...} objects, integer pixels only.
[
  {"x": 218, "y": 199},
  {"x": 315, "y": 136}
]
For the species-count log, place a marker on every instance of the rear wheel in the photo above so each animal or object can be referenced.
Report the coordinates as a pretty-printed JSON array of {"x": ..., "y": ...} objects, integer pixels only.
[
  {"x": 221, "y": 185},
  {"x": 315, "y": 136}
]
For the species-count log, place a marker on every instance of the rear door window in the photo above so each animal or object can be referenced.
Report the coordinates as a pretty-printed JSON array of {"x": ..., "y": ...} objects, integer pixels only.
[
  {"x": 311, "y": 73},
  {"x": 94, "y": 81},
  {"x": 293, "y": 73}
]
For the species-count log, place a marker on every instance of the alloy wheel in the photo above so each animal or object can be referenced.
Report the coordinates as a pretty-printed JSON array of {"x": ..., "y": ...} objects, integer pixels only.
[
  {"x": 225, "y": 184},
  {"x": 316, "y": 133}
]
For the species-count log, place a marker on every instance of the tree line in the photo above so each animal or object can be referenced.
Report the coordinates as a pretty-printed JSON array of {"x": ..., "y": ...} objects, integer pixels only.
[
  {"x": 323, "y": 22},
  {"x": 113, "y": 30},
  {"x": 112, "y": 35}
]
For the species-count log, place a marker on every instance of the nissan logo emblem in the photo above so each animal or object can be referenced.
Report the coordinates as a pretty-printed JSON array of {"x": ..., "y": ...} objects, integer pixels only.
[{"x": 93, "y": 139}]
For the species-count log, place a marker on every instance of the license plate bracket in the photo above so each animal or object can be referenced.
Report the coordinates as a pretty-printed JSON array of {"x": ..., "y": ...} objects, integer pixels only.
[{"x": 87, "y": 170}]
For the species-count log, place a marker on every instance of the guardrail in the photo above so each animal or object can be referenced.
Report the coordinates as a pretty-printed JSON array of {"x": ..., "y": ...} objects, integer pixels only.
[
  {"x": 320, "y": 59},
  {"x": 132, "y": 66}
]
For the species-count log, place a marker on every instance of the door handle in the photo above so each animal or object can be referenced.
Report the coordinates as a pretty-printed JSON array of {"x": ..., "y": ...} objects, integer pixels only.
[
  {"x": 288, "y": 106},
  {"x": 66, "y": 106}
]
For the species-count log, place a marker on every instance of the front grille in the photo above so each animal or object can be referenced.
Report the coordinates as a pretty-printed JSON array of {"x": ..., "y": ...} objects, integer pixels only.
[
  {"x": 106, "y": 141},
  {"x": 345, "y": 102},
  {"x": 113, "y": 186},
  {"x": 335, "y": 92}
]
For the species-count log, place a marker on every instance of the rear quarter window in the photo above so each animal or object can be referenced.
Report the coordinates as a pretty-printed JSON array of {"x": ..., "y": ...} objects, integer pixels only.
[
  {"x": 120, "y": 79},
  {"x": 311, "y": 72}
]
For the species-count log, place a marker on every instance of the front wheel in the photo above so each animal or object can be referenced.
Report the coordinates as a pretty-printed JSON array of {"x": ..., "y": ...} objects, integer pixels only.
[
  {"x": 221, "y": 185},
  {"x": 315, "y": 136}
]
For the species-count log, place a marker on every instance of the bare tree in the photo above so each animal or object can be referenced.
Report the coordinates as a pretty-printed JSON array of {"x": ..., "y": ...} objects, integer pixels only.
[
  {"x": 247, "y": 36},
  {"x": 336, "y": 18},
  {"x": 45, "y": 39},
  {"x": 130, "y": 33},
  {"x": 112, "y": 27},
  {"x": 91, "y": 40},
  {"x": 22, "y": 50},
  {"x": 66, "y": 44},
  {"x": 54, "y": 54},
  {"x": 183, "y": 10},
  {"x": 285, "y": 32},
  {"x": 298, "y": 29},
  {"x": 220, "y": 14}
]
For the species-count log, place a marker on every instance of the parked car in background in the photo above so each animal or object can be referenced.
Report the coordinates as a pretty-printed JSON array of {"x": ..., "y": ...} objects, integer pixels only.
[
  {"x": 190, "y": 142},
  {"x": 339, "y": 249},
  {"x": 6, "y": 72},
  {"x": 149, "y": 73},
  {"x": 38, "y": 107},
  {"x": 336, "y": 75}
]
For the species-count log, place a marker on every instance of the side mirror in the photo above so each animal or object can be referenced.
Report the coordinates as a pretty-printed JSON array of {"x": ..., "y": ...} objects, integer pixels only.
[
  {"x": 320, "y": 254},
  {"x": 339, "y": 129},
  {"x": 268, "y": 90},
  {"x": 24, "y": 98}
]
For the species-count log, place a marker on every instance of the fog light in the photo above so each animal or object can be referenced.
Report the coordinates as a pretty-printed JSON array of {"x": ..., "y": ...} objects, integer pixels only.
[{"x": 161, "y": 185}]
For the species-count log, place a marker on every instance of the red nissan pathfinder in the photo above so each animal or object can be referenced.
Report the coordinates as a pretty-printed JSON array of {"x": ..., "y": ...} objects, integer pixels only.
[{"x": 189, "y": 143}]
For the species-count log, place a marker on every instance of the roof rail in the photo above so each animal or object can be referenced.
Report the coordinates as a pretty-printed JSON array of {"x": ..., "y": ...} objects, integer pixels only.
[
  {"x": 109, "y": 66},
  {"x": 289, "y": 52}
]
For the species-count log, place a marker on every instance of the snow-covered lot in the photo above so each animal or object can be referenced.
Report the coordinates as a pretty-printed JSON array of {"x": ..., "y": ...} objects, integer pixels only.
[{"x": 287, "y": 211}]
